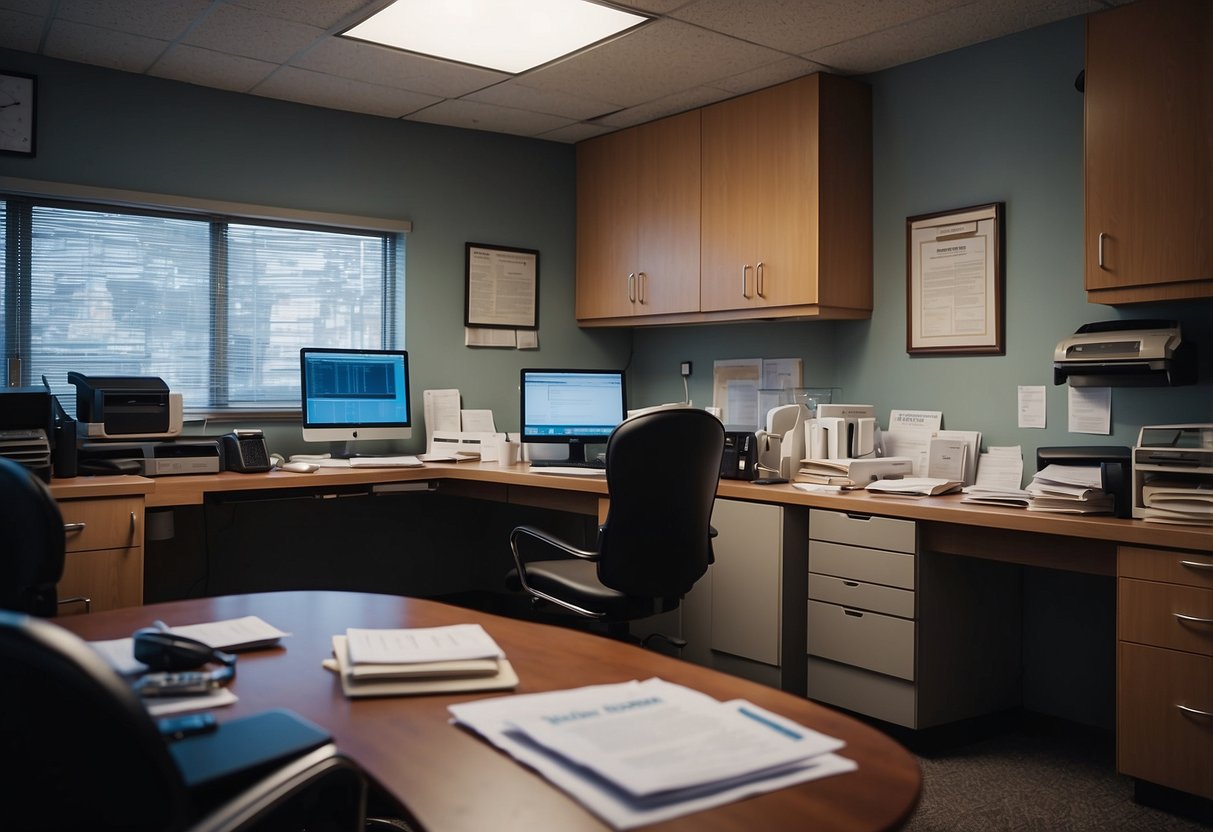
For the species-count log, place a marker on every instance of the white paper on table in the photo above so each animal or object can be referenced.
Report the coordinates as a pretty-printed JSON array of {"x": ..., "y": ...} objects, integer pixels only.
[
  {"x": 246, "y": 633},
  {"x": 159, "y": 706},
  {"x": 421, "y": 644},
  {"x": 1001, "y": 468},
  {"x": 441, "y": 409}
]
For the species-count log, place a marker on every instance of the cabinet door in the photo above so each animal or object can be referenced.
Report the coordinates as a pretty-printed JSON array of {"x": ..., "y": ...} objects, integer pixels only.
[
  {"x": 606, "y": 225},
  {"x": 1149, "y": 152},
  {"x": 667, "y": 216},
  {"x": 746, "y": 580},
  {"x": 730, "y": 190}
]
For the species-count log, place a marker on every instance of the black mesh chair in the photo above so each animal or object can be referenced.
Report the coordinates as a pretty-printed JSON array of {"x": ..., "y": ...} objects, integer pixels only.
[
  {"x": 82, "y": 752},
  {"x": 31, "y": 560},
  {"x": 662, "y": 469}
]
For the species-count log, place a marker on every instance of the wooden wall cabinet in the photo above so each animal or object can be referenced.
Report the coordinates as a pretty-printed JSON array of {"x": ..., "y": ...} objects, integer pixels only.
[
  {"x": 756, "y": 207},
  {"x": 1164, "y": 668},
  {"x": 1149, "y": 152},
  {"x": 787, "y": 200},
  {"x": 638, "y": 220},
  {"x": 104, "y": 560}
]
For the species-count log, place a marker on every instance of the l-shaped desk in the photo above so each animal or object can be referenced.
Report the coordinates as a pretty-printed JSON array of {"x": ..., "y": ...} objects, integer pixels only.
[{"x": 904, "y": 609}]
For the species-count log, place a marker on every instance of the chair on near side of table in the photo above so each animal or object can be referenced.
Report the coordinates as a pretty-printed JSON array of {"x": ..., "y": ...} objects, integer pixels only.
[
  {"x": 31, "y": 562},
  {"x": 662, "y": 469}
]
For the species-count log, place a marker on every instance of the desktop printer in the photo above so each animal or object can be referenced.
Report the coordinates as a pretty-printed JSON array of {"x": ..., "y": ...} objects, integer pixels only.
[
  {"x": 1173, "y": 474},
  {"x": 1142, "y": 353},
  {"x": 125, "y": 407}
]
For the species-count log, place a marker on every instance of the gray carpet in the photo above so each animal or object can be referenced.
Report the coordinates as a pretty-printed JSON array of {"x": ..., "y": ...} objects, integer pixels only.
[{"x": 1026, "y": 779}]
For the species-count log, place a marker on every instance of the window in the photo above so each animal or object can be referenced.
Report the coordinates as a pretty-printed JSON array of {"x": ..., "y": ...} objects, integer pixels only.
[{"x": 217, "y": 305}]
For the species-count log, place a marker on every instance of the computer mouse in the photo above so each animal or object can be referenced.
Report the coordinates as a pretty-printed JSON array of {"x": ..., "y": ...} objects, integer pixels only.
[{"x": 299, "y": 467}]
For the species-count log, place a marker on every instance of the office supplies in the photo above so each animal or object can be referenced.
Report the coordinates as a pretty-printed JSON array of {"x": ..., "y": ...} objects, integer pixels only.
[
  {"x": 1137, "y": 353},
  {"x": 848, "y": 431},
  {"x": 398, "y": 461},
  {"x": 463, "y": 676},
  {"x": 571, "y": 407},
  {"x": 354, "y": 395},
  {"x": 915, "y": 486},
  {"x": 740, "y": 456},
  {"x": 1112, "y": 464},
  {"x": 244, "y": 451},
  {"x": 781, "y": 444},
  {"x": 1173, "y": 474},
  {"x": 125, "y": 407},
  {"x": 853, "y": 473}
]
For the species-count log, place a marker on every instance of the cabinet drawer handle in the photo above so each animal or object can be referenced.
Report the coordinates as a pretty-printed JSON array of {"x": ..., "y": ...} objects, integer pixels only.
[
  {"x": 863, "y": 518},
  {"x": 850, "y": 583},
  {"x": 759, "y": 285},
  {"x": 79, "y": 599},
  {"x": 632, "y": 287},
  {"x": 852, "y": 613},
  {"x": 640, "y": 286},
  {"x": 1192, "y": 618},
  {"x": 744, "y": 281},
  {"x": 1195, "y": 564},
  {"x": 1101, "y": 238},
  {"x": 1194, "y": 711},
  {"x": 73, "y": 528}
]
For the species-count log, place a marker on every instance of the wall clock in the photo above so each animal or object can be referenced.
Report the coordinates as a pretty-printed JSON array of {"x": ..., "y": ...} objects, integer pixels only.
[{"x": 17, "y": 92}]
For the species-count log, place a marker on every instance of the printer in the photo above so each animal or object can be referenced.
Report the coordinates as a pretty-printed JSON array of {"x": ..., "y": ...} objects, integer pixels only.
[
  {"x": 1130, "y": 353},
  {"x": 125, "y": 407}
]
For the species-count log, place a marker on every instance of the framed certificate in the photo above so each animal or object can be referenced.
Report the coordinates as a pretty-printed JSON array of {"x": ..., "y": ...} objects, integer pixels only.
[
  {"x": 954, "y": 286},
  {"x": 502, "y": 287}
]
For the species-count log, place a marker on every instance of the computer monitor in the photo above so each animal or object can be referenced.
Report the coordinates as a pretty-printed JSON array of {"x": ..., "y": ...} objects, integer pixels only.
[
  {"x": 572, "y": 407},
  {"x": 352, "y": 396}
]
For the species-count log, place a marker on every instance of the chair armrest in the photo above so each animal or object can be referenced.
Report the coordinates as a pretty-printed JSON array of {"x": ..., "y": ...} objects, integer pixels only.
[{"x": 545, "y": 546}]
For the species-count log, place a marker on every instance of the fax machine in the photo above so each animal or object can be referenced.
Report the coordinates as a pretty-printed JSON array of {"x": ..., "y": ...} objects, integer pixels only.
[{"x": 1141, "y": 353}]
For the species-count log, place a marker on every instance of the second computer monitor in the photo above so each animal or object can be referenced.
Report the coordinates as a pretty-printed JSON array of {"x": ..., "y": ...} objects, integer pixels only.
[{"x": 571, "y": 407}]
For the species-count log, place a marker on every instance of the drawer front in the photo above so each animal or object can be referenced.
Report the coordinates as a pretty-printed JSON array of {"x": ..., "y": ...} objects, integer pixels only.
[
  {"x": 102, "y": 524},
  {"x": 860, "y": 595},
  {"x": 863, "y": 530},
  {"x": 870, "y": 640},
  {"x": 1155, "y": 739},
  {"x": 873, "y": 566},
  {"x": 107, "y": 578},
  {"x": 1168, "y": 565},
  {"x": 1165, "y": 615},
  {"x": 862, "y": 691}
]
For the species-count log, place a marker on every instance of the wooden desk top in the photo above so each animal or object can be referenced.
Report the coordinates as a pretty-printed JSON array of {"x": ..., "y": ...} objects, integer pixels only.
[
  {"x": 451, "y": 779},
  {"x": 191, "y": 490}
]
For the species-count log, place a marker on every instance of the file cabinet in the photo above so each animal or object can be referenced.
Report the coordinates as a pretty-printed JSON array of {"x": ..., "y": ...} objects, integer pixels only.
[
  {"x": 103, "y": 566},
  {"x": 1164, "y": 668},
  {"x": 912, "y": 638}
]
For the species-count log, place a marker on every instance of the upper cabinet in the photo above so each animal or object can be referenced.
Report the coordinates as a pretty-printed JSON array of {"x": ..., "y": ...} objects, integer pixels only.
[
  {"x": 1149, "y": 152},
  {"x": 757, "y": 207},
  {"x": 787, "y": 201},
  {"x": 638, "y": 220}
]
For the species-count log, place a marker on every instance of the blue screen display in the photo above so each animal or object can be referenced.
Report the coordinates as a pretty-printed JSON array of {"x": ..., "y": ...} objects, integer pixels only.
[
  {"x": 355, "y": 387},
  {"x": 571, "y": 404}
]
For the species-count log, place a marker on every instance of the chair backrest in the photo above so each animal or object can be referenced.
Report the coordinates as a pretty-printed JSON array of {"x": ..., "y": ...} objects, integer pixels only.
[
  {"x": 80, "y": 749},
  {"x": 31, "y": 528},
  {"x": 662, "y": 469}
]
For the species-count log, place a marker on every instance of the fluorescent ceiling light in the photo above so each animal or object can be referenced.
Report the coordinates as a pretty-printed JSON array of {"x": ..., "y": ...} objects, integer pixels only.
[{"x": 507, "y": 35}]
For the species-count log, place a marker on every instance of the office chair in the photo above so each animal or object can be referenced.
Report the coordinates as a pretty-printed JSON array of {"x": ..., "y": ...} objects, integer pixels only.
[
  {"x": 32, "y": 530},
  {"x": 662, "y": 469},
  {"x": 82, "y": 752}
]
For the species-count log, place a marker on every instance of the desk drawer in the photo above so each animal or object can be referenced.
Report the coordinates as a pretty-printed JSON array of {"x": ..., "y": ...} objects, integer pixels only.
[
  {"x": 863, "y": 691},
  {"x": 860, "y": 595},
  {"x": 1168, "y": 565},
  {"x": 1155, "y": 739},
  {"x": 862, "y": 530},
  {"x": 872, "y": 566},
  {"x": 1150, "y": 613},
  {"x": 882, "y": 643},
  {"x": 102, "y": 524}
]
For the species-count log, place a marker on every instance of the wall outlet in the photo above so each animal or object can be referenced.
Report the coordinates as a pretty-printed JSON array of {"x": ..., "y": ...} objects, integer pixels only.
[{"x": 685, "y": 368}]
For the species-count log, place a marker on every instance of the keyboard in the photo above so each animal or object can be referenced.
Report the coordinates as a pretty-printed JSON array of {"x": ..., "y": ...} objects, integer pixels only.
[
  {"x": 406, "y": 461},
  {"x": 593, "y": 464},
  {"x": 571, "y": 470}
]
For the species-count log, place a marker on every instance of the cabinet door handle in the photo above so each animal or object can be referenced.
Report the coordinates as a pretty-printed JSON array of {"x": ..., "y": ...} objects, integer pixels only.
[
  {"x": 759, "y": 286},
  {"x": 79, "y": 599},
  {"x": 73, "y": 528},
  {"x": 1194, "y": 711},
  {"x": 640, "y": 286},
  {"x": 1101, "y": 238},
  {"x": 632, "y": 287},
  {"x": 1192, "y": 618},
  {"x": 744, "y": 282},
  {"x": 1195, "y": 564}
]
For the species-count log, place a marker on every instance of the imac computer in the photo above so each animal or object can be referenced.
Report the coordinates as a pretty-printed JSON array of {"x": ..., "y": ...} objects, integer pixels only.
[
  {"x": 571, "y": 407},
  {"x": 352, "y": 395}
]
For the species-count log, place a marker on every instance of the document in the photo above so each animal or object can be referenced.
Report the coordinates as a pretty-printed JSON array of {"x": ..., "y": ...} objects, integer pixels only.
[
  {"x": 1001, "y": 468},
  {"x": 421, "y": 644},
  {"x": 636, "y": 730},
  {"x": 915, "y": 486},
  {"x": 247, "y": 633},
  {"x": 1031, "y": 406},
  {"x": 441, "y": 413},
  {"x": 1090, "y": 409},
  {"x": 909, "y": 435}
]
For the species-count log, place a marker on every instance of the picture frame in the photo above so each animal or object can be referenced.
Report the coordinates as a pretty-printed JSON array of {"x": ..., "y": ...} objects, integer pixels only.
[
  {"x": 955, "y": 289},
  {"x": 18, "y": 113},
  {"x": 501, "y": 287}
]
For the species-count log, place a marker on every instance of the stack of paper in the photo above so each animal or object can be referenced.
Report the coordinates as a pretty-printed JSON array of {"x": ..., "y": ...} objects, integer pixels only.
[
  {"x": 1069, "y": 489},
  {"x": 852, "y": 473},
  {"x": 643, "y": 752},
  {"x": 915, "y": 486},
  {"x": 1178, "y": 503},
  {"x": 989, "y": 495},
  {"x": 461, "y": 657}
]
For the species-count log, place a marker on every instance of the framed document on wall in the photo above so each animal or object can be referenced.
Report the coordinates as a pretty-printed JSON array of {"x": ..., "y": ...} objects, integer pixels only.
[
  {"x": 502, "y": 287},
  {"x": 954, "y": 285}
]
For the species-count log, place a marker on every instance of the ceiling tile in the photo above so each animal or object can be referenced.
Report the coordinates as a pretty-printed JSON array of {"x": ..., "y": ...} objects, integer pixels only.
[
  {"x": 766, "y": 76},
  {"x": 392, "y": 68},
  {"x": 151, "y": 18},
  {"x": 251, "y": 34},
  {"x": 102, "y": 47},
  {"x": 326, "y": 14},
  {"x": 678, "y": 103},
  {"x": 39, "y": 8},
  {"x": 476, "y": 116},
  {"x": 211, "y": 69},
  {"x": 575, "y": 132},
  {"x": 22, "y": 32},
  {"x": 519, "y": 95},
  {"x": 321, "y": 90}
]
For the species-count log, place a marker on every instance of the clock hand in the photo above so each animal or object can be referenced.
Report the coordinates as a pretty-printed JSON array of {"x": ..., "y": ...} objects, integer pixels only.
[{"x": 14, "y": 104}]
